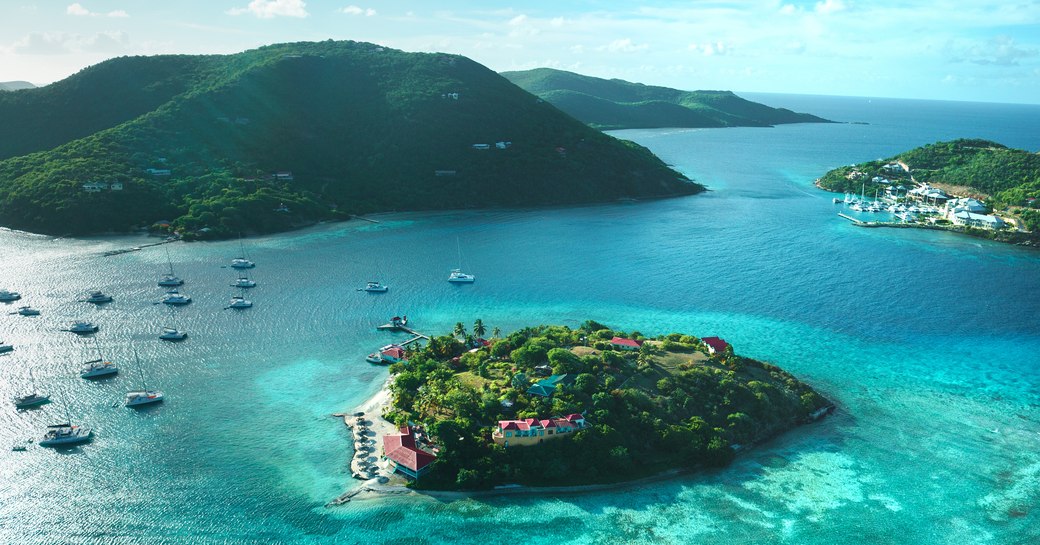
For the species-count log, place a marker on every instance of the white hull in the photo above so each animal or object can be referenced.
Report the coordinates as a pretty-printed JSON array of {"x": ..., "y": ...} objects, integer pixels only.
[
  {"x": 137, "y": 399},
  {"x": 66, "y": 436}
]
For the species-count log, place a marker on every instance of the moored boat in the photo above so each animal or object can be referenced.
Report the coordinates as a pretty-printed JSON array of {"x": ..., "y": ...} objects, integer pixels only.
[
  {"x": 28, "y": 311},
  {"x": 171, "y": 334},
  {"x": 375, "y": 287},
  {"x": 83, "y": 328},
  {"x": 65, "y": 435},
  {"x": 8, "y": 296},
  {"x": 173, "y": 297},
  {"x": 97, "y": 297}
]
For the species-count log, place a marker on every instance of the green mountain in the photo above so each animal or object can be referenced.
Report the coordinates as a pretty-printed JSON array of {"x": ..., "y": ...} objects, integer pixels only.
[
  {"x": 15, "y": 85},
  {"x": 196, "y": 141},
  {"x": 618, "y": 104}
]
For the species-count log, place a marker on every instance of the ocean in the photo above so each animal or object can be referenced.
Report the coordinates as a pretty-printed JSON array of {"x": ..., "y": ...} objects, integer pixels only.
[{"x": 927, "y": 341}]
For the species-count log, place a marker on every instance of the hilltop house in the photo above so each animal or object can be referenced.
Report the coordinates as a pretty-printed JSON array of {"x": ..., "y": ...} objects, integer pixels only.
[
  {"x": 547, "y": 386},
  {"x": 715, "y": 345},
  {"x": 481, "y": 146},
  {"x": 283, "y": 176},
  {"x": 531, "y": 431},
  {"x": 158, "y": 171},
  {"x": 622, "y": 343},
  {"x": 94, "y": 187},
  {"x": 405, "y": 455}
]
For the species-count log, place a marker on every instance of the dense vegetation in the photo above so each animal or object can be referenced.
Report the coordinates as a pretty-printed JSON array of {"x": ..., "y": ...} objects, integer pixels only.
[
  {"x": 361, "y": 128},
  {"x": 1008, "y": 179},
  {"x": 618, "y": 104},
  {"x": 667, "y": 405}
]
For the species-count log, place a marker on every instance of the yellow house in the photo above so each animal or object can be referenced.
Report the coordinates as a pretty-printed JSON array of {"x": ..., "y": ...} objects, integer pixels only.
[{"x": 532, "y": 431}]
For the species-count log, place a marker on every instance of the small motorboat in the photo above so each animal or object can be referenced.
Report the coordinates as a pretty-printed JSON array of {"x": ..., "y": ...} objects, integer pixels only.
[
  {"x": 97, "y": 297},
  {"x": 374, "y": 358},
  {"x": 8, "y": 296},
  {"x": 171, "y": 334},
  {"x": 375, "y": 287}
]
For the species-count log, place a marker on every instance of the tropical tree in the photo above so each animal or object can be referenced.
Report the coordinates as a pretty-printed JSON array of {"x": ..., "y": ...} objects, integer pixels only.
[
  {"x": 495, "y": 333},
  {"x": 478, "y": 328},
  {"x": 460, "y": 330}
]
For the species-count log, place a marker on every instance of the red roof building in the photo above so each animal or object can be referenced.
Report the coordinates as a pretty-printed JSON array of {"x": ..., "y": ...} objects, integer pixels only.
[
  {"x": 409, "y": 459},
  {"x": 625, "y": 344},
  {"x": 715, "y": 345},
  {"x": 531, "y": 431}
]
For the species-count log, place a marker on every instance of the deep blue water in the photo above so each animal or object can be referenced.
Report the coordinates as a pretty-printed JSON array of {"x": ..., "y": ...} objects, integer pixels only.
[{"x": 928, "y": 342}]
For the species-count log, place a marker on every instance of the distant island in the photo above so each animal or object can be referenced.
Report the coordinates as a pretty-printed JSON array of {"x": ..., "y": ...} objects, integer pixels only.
[
  {"x": 618, "y": 104},
  {"x": 286, "y": 135},
  {"x": 554, "y": 406},
  {"x": 15, "y": 85},
  {"x": 972, "y": 186}
]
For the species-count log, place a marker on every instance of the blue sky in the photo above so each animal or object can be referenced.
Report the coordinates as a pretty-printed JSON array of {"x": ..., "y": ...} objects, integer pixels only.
[{"x": 939, "y": 49}]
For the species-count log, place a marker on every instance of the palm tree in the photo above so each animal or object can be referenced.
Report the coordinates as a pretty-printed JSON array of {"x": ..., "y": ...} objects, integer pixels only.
[
  {"x": 478, "y": 328},
  {"x": 495, "y": 333},
  {"x": 460, "y": 330}
]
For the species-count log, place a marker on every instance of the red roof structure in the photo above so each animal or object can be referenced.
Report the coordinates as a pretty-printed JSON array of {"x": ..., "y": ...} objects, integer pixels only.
[
  {"x": 715, "y": 344},
  {"x": 627, "y": 343},
  {"x": 401, "y": 449}
]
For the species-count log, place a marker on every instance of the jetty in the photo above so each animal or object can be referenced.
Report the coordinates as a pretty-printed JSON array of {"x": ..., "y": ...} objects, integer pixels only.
[{"x": 138, "y": 248}]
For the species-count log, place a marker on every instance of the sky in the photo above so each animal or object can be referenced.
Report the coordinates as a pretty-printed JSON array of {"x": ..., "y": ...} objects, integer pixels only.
[{"x": 986, "y": 51}]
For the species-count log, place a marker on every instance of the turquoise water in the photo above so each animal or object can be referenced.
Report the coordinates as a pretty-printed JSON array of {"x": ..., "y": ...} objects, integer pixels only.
[{"x": 927, "y": 341}]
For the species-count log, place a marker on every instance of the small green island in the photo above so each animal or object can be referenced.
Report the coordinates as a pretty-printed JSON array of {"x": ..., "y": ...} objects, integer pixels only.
[
  {"x": 533, "y": 408},
  {"x": 971, "y": 186}
]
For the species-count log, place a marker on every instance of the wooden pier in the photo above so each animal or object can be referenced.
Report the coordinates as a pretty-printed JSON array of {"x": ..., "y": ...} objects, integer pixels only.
[{"x": 136, "y": 248}]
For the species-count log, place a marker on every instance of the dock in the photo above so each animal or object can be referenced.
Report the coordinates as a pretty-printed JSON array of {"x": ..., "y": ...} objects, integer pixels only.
[
  {"x": 136, "y": 248},
  {"x": 397, "y": 326}
]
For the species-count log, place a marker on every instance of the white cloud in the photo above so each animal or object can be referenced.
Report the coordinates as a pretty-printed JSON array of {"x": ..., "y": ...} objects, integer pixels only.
[
  {"x": 625, "y": 45},
  {"x": 78, "y": 10},
  {"x": 518, "y": 20},
  {"x": 268, "y": 9},
  {"x": 829, "y": 6},
  {"x": 788, "y": 9},
  {"x": 708, "y": 49},
  {"x": 356, "y": 10},
  {"x": 556, "y": 21},
  {"x": 1000, "y": 51},
  {"x": 58, "y": 43}
]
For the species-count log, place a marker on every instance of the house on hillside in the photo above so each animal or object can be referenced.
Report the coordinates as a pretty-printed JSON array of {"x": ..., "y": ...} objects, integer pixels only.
[
  {"x": 532, "y": 431},
  {"x": 622, "y": 343},
  {"x": 547, "y": 386},
  {"x": 116, "y": 186},
  {"x": 481, "y": 146},
  {"x": 715, "y": 345},
  {"x": 982, "y": 221},
  {"x": 158, "y": 171},
  {"x": 94, "y": 187},
  {"x": 283, "y": 176},
  {"x": 404, "y": 454}
]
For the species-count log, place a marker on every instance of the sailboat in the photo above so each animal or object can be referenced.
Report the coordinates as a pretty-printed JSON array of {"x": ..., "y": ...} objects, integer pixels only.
[
  {"x": 242, "y": 262},
  {"x": 169, "y": 279},
  {"x": 240, "y": 301},
  {"x": 457, "y": 276},
  {"x": 66, "y": 434},
  {"x": 244, "y": 281},
  {"x": 98, "y": 368},
  {"x": 31, "y": 400},
  {"x": 144, "y": 396}
]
